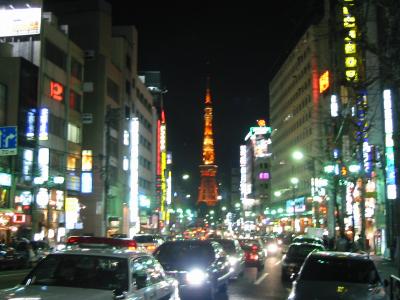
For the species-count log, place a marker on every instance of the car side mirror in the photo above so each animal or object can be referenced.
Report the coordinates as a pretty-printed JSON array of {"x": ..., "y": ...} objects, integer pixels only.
[
  {"x": 119, "y": 294},
  {"x": 141, "y": 280}
]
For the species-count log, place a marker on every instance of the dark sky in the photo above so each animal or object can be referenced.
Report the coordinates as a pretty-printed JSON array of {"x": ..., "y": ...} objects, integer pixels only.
[{"x": 240, "y": 46}]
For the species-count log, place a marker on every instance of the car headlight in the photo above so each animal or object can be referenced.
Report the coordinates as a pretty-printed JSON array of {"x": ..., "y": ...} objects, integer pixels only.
[
  {"x": 196, "y": 277},
  {"x": 272, "y": 248},
  {"x": 232, "y": 260}
]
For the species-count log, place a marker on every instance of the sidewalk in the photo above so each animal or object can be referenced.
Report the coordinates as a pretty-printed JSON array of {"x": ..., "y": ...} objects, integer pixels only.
[{"x": 385, "y": 266}]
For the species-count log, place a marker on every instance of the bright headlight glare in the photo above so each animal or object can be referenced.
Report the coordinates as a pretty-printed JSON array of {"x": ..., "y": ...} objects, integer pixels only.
[
  {"x": 272, "y": 248},
  {"x": 196, "y": 277},
  {"x": 232, "y": 260}
]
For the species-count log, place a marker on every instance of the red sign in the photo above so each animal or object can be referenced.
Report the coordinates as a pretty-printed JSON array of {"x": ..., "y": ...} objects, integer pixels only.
[{"x": 56, "y": 91}]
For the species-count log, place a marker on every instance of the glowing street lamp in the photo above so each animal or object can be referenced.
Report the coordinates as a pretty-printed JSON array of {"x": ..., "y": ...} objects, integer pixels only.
[{"x": 185, "y": 176}]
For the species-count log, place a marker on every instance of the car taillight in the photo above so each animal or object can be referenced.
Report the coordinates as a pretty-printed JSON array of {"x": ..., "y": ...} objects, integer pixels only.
[
  {"x": 253, "y": 257},
  {"x": 254, "y": 248}
]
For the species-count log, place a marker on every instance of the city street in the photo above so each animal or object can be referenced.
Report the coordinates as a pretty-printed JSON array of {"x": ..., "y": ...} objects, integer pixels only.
[{"x": 253, "y": 285}]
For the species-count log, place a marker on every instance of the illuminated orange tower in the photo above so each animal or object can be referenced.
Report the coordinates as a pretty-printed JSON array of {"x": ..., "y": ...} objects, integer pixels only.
[{"x": 208, "y": 189}]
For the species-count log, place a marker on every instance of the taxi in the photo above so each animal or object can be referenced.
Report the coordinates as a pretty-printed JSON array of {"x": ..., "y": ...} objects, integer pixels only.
[{"x": 96, "y": 273}]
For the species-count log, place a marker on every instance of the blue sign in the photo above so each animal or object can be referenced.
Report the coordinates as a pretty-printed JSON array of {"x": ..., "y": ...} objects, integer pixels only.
[{"x": 8, "y": 140}]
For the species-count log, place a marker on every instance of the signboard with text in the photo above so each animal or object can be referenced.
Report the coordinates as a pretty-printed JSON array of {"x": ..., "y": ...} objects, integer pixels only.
[{"x": 8, "y": 140}]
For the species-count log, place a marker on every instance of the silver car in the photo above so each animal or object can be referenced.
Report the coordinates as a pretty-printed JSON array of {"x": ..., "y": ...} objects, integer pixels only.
[
  {"x": 338, "y": 275},
  {"x": 96, "y": 274}
]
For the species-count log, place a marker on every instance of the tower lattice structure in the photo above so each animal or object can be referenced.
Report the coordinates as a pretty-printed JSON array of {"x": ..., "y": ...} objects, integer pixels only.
[{"x": 208, "y": 189}]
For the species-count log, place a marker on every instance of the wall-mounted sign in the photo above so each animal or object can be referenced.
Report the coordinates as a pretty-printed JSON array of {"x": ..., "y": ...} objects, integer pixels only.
[
  {"x": 324, "y": 82},
  {"x": 56, "y": 91},
  {"x": 16, "y": 22},
  {"x": 87, "y": 160},
  {"x": 44, "y": 124},
  {"x": 5, "y": 179}
]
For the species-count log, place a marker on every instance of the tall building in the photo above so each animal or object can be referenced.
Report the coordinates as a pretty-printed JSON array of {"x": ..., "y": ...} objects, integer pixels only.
[
  {"x": 208, "y": 189},
  {"x": 43, "y": 70},
  {"x": 119, "y": 127},
  {"x": 296, "y": 115}
]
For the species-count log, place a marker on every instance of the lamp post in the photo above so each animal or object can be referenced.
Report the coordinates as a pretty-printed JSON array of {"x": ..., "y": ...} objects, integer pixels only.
[
  {"x": 298, "y": 155},
  {"x": 294, "y": 181}
]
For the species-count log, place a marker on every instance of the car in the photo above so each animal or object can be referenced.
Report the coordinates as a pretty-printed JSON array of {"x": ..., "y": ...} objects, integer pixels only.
[
  {"x": 148, "y": 242},
  {"x": 24, "y": 248},
  {"x": 271, "y": 246},
  {"x": 338, "y": 275},
  {"x": 308, "y": 239},
  {"x": 95, "y": 274},
  {"x": 236, "y": 256},
  {"x": 201, "y": 266},
  {"x": 100, "y": 242},
  {"x": 294, "y": 258},
  {"x": 254, "y": 253},
  {"x": 10, "y": 259}
]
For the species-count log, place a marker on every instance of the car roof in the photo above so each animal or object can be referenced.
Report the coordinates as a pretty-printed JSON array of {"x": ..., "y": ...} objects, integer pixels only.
[
  {"x": 298, "y": 244},
  {"x": 339, "y": 255},
  {"x": 121, "y": 253}
]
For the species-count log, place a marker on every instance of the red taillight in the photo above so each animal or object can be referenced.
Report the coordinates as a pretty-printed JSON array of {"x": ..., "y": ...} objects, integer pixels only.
[
  {"x": 253, "y": 257},
  {"x": 254, "y": 248}
]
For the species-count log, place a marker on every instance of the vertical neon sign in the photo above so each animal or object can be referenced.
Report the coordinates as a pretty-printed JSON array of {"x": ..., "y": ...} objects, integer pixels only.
[
  {"x": 389, "y": 146},
  {"x": 134, "y": 177}
]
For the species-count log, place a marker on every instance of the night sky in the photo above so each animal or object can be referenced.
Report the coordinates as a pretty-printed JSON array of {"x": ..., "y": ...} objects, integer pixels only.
[{"x": 240, "y": 47}]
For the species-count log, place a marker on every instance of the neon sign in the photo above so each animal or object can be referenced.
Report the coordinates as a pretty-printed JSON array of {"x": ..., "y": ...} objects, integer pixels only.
[
  {"x": 350, "y": 42},
  {"x": 44, "y": 124},
  {"x": 324, "y": 82},
  {"x": 56, "y": 91}
]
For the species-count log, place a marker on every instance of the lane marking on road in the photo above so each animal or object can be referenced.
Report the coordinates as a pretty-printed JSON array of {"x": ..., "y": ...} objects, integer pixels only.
[
  {"x": 278, "y": 262},
  {"x": 259, "y": 280}
]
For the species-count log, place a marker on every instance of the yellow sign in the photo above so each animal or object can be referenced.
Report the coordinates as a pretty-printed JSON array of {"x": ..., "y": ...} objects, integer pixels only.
[{"x": 324, "y": 82}]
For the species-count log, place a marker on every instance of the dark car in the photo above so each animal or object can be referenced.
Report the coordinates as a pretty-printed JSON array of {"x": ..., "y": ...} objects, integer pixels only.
[
  {"x": 10, "y": 258},
  {"x": 295, "y": 257},
  {"x": 201, "y": 266},
  {"x": 254, "y": 253},
  {"x": 236, "y": 256},
  {"x": 338, "y": 275}
]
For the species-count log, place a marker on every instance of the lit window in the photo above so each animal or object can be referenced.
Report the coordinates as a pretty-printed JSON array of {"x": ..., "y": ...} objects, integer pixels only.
[{"x": 74, "y": 133}]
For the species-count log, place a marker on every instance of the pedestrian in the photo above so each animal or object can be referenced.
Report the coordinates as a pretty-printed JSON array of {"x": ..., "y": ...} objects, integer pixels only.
[{"x": 342, "y": 244}]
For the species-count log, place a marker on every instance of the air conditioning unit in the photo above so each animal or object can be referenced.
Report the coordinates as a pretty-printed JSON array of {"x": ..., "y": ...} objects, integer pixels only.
[
  {"x": 64, "y": 28},
  {"x": 89, "y": 54}
]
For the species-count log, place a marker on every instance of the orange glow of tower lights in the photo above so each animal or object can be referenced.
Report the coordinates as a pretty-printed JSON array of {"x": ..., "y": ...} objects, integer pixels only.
[{"x": 208, "y": 142}]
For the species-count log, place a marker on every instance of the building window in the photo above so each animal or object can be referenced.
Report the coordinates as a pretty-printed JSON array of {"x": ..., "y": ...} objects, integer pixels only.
[
  {"x": 75, "y": 101},
  {"x": 112, "y": 90},
  {"x": 76, "y": 69},
  {"x": 55, "y": 55},
  {"x": 57, "y": 161},
  {"x": 74, "y": 133},
  {"x": 71, "y": 163},
  {"x": 56, "y": 125}
]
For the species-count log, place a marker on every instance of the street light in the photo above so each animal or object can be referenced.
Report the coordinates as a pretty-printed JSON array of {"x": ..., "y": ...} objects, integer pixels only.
[
  {"x": 294, "y": 181},
  {"x": 185, "y": 176}
]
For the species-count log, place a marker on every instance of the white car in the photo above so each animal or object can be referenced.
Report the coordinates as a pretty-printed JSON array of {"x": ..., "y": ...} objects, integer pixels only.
[
  {"x": 96, "y": 274},
  {"x": 338, "y": 275}
]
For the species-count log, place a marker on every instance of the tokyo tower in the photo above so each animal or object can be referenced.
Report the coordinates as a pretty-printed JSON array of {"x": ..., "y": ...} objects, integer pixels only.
[{"x": 208, "y": 190}]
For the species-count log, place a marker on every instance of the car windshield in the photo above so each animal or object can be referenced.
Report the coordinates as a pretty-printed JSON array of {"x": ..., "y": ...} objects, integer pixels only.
[
  {"x": 228, "y": 245},
  {"x": 181, "y": 255},
  {"x": 339, "y": 269},
  {"x": 303, "y": 250},
  {"x": 81, "y": 271},
  {"x": 144, "y": 239}
]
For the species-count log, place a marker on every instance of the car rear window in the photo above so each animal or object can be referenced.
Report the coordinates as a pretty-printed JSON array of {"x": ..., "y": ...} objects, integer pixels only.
[
  {"x": 339, "y": 269},
  {"x": 144, "y": 239},
  {"x": 182, "y": 254},
  {"x": 227, "y": 245},
  {"x": 302, "y": 250}
]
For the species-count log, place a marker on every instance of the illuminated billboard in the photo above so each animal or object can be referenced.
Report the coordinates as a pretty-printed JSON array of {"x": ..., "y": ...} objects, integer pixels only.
[{"x": 17, "y": 22}]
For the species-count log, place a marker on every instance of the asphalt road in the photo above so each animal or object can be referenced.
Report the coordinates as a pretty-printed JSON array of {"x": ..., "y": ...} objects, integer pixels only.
[{"x": 253, "y": 285}]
